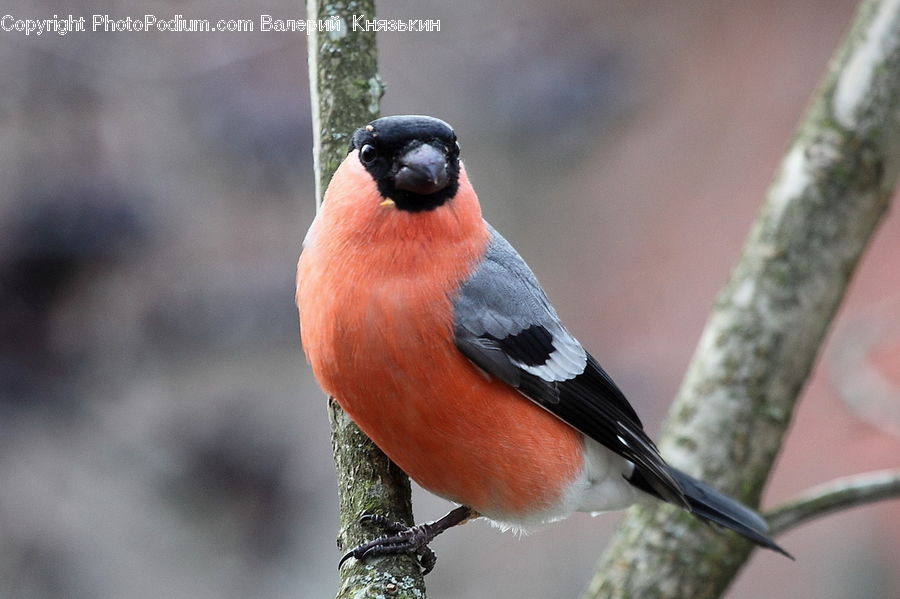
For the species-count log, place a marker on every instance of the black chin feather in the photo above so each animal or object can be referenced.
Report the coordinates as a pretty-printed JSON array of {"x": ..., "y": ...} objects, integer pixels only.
[{"x": 413, "y": 202}]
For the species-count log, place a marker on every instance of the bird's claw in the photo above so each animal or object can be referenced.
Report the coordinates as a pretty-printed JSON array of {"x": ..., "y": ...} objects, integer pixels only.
[{"x": 402, "y": 539}]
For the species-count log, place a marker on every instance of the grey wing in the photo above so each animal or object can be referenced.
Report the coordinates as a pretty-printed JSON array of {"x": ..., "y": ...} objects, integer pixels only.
[{"x": 506, "y": 326}]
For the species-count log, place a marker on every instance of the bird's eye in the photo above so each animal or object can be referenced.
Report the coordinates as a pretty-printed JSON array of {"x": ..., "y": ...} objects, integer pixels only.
[{"x": 368, "y": 154}]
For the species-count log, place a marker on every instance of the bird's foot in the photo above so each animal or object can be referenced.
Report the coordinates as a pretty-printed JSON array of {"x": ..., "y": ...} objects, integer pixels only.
[{"x": 403, "y": 538}]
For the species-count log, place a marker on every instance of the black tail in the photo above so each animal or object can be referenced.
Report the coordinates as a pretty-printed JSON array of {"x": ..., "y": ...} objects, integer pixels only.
[{"x": 712, "y": 506}]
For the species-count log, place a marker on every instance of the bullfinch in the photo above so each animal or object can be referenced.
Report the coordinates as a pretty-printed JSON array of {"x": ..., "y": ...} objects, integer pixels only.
[{"x": 436, "y": 338}]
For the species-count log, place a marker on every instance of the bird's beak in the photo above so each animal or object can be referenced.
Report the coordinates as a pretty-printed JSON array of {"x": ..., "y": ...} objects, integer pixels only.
[{"x": 423, "y": 170}]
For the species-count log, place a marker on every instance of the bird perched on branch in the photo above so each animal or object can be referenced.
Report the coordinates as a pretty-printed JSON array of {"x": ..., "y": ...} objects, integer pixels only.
[{"x": 436, "y": 338}]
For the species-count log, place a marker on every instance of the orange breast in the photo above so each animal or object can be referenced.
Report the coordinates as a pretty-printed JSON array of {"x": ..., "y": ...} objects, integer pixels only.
[{"x": 374, "y": 292}]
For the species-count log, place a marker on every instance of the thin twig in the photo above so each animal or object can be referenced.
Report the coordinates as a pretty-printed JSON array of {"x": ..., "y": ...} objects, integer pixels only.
[{"x": 839, "y": 494}]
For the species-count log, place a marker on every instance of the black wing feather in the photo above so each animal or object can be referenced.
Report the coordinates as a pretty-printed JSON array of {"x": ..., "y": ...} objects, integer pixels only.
[
  {"x": 593, "y": 404},
  {"x": 590, "y": 402}
]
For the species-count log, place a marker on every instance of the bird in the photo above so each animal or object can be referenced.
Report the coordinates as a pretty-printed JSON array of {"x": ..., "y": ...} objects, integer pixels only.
[{"x": 436, "y": 338}]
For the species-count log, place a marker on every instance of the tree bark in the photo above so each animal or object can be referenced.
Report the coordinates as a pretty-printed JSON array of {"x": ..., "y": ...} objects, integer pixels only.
[
  {"x": 346, "y": 90},
  {"x": 762, "y": 338}
]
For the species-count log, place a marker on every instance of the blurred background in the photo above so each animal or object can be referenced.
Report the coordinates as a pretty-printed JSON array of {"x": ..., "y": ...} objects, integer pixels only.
[{"x": 160, "y": 433}]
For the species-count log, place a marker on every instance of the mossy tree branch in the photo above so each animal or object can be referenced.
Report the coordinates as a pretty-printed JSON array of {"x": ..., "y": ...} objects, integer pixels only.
[
  {"x": 762, "y": 338},
  {"x": 346, "y": 91}
]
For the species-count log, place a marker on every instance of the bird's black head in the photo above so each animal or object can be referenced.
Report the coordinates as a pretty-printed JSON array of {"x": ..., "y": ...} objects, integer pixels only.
[{"x": 413, "y": 159}]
